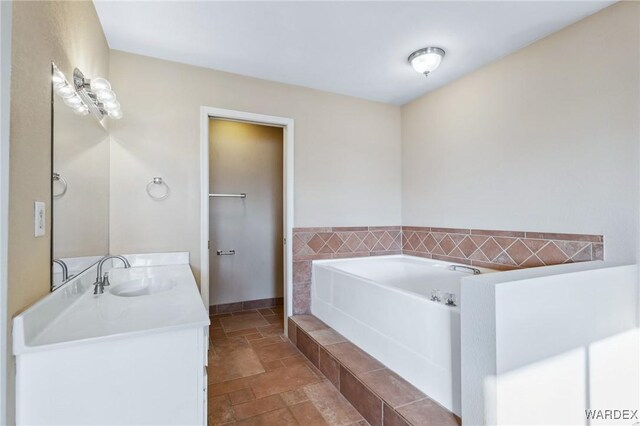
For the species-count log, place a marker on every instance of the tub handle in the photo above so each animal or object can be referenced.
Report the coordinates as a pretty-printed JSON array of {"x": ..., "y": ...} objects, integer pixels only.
[{"x": 475, "y": 271}]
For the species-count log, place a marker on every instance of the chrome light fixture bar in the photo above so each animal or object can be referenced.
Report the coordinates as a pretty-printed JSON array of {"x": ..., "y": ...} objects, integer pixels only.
[
  {"x": 426, "y": 60},
  {"x": 97, "y": 95},
  {"x": 85, "y": 95}
]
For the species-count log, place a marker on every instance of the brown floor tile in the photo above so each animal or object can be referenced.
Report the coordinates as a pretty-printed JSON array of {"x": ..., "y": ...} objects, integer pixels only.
[
  {"x": 353, "y": 357},
  {"x": 229, "y": 345},
  {"x": 275, "y": 351},
  {"x": 244, "y": 312},
  {"x": 329, "y": 366},
  {"x": 217, "y": 389},
  {"x": 307, "y": 414},
  {"x": 335, "y": 409},
  {"x": 295, "y": 396},
  {"x": 307, "y": 346},
  {"x": 242, "y": 363},
  {"x": 271, "y": 330},
  {"x": 274, "y": 319},
  {"x": 243, "y": 332},
  {"x": 392, "y": 418},
  {"x": 240, "y": 322},
  {"x": 282, "y": 380},
  {"x": 327, "y": 336},
  {"x": 309, "y": 323},
  {"x": 220, "y": 410},
  {"x": 281, "y": 417},
  {"x": 428, "y": 413},
  {"x": 393, "y": 389},
  {"x": 217, "y": 333},
  {"x": 215, "y": 323},
  {"x": 264, "y": 341},
  {"x": 266, "y": 311},
  {"x": 368, "y": 404},
  {"x": 272, "y": 365},
  {"x": 240, "y": 396},
  {"x": 254, "y": 336},
  {"x": 258, "y": 406},
  {"x": 216, "y": 316}
]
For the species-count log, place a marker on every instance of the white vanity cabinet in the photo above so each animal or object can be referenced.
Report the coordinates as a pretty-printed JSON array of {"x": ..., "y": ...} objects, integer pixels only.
[{"x": 107, "y": 360}]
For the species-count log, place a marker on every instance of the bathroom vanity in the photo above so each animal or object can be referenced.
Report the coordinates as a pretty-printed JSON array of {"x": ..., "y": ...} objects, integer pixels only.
[{"x": 135, "y": 354}]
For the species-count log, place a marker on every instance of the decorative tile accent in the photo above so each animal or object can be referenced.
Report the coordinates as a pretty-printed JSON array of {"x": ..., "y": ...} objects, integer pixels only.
[
  {"x": 501, "y": 250},
  {"x": 335, "y": 243}
]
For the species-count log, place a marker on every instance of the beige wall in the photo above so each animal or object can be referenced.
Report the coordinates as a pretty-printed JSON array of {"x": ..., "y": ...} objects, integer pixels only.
[
  {"x": 69, "y": 34},
  {"x": 545, "y": 139},
  {"x": 347, "y": 152}
]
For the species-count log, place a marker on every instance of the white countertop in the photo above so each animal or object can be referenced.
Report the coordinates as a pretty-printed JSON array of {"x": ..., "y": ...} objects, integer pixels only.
[{"x": 74, "y": 315}]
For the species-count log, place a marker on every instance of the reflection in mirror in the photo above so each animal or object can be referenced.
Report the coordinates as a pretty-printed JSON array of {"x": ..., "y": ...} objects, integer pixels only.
[{"x": 80, "y": 186}]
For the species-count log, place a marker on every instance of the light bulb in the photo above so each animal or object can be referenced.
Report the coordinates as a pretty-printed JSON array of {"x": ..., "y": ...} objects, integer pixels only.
[
  {"x": 105, "y": 96},
  {"x": 115, "y": 114},
  {"x": 426, "y": 60},
  {"x": 81, "y": 110},
  {"x": 57, "y": 77},
  {"x": 98, "y": 84},
  {"x": 73, "y": 101},
  {"x": 65, "y": 91},
  {"x": 111, "y": 105}
]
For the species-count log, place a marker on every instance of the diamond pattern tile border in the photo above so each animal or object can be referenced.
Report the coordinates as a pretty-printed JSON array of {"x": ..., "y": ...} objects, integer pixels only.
[{"x": 502, "y": 250}]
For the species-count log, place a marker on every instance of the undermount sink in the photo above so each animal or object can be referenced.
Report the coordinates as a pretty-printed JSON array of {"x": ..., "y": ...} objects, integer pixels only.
[{"x": 142, "y": 287}]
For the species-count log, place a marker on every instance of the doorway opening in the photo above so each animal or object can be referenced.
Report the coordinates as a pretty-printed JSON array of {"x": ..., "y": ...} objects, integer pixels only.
[{"x": 246, "y": 211}]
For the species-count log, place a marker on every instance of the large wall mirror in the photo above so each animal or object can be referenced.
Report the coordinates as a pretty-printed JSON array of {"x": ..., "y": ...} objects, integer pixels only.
[{"x": 80, "y": 187}]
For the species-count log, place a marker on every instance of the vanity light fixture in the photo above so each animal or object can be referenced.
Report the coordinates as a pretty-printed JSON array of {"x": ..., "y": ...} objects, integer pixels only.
[
  {"x": 426, "y": 60},
  {"x": 85, "y": 95}
]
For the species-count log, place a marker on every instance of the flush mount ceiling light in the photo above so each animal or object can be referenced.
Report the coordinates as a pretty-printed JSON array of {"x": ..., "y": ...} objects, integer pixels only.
[
  {"x": 426, "y": 60},
  {"x": 85, "y": 95}
]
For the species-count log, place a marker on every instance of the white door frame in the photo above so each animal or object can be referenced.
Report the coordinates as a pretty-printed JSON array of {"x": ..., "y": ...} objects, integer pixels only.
[
  {"x": 207, "y": 113},
  {"x": 5, "y": 85}
]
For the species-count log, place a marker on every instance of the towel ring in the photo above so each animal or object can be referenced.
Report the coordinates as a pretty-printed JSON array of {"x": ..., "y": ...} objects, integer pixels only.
[
  {"x": 58, "y": 178},
  {"x": 158, "y": 181}
]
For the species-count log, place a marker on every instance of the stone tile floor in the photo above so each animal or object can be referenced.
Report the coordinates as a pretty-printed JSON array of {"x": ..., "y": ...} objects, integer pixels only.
[{"x": 257, "y": 377}]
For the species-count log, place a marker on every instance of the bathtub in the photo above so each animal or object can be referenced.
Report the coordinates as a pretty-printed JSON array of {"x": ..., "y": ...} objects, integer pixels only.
[{"x": 382, "y": 304}]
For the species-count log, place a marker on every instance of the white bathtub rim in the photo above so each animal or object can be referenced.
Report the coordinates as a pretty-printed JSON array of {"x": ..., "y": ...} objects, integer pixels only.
[{"x": 326, "y": 263}]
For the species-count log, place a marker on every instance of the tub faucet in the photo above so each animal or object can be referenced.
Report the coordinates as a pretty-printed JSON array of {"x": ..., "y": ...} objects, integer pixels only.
[
  {"x": 435, "y": 295},
  {"x": 65, "y": 269},
  {"x": 103, "y": 280}
]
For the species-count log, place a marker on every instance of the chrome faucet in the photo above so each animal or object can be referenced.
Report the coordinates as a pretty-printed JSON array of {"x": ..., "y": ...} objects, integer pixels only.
[
  {"x": 65, "y": 269},
  {"x": 103, "y": 280}
]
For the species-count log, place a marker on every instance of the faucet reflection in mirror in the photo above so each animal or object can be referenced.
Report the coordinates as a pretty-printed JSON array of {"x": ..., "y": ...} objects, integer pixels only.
[{"x": 86, "y": 95}]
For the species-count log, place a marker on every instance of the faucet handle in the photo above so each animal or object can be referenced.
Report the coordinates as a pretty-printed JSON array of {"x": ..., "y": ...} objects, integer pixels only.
[
  {"x": 450, "y": 299},
  {"x": 105, "y": 280}
]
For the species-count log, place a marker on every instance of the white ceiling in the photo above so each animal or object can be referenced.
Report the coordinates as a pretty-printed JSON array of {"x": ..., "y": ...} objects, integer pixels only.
[{"x": 353, "y": 48}]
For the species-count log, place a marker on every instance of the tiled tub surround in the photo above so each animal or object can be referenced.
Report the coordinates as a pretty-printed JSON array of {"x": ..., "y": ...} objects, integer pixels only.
[
  {"x": 380, "y": 395},
  {"x": 334, "y": 243},
  {"x": 501, "y": 250}
]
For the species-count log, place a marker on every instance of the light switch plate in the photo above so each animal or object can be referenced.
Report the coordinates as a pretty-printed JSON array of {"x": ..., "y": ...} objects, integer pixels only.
[{"x": 39, "y": 218}]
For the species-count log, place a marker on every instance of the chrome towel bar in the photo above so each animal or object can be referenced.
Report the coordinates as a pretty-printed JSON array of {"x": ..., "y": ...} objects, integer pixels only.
[{"x": 241, "y": 195}]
